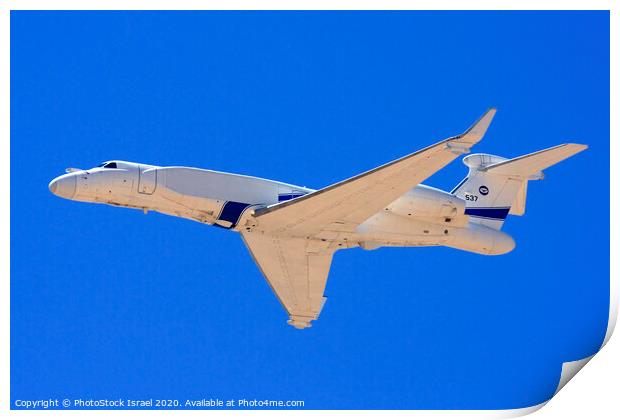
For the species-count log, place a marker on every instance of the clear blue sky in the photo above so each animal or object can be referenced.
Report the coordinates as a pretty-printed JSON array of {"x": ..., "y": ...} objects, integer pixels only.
[{"x": 108, "y": 302}]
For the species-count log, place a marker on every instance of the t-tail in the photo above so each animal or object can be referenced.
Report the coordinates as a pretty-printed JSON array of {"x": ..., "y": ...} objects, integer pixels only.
[{"x": 496, "y": 187}]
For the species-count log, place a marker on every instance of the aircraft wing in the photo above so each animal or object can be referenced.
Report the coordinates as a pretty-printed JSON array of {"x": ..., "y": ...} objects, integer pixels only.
[
  {"x": 293, "y": 242},
  {"x": 333, "y": 211},
  {"x": 296, "y": 274}
]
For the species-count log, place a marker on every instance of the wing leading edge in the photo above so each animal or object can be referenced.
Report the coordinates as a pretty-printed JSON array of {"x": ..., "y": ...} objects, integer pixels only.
[{"x": 293, "y": 242}]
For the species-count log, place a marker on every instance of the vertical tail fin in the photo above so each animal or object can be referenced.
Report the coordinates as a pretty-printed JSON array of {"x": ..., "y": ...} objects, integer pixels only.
[{"x": 496, "y": 186}]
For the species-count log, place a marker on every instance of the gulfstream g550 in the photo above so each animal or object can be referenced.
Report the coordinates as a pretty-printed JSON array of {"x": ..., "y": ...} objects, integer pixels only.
[{"x": 292, "y": 232}]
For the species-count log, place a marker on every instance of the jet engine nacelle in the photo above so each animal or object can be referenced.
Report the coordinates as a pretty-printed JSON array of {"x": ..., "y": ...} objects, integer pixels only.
[
  {"x": 424, "y": 201},
  {"x": 481, "y": 240}
]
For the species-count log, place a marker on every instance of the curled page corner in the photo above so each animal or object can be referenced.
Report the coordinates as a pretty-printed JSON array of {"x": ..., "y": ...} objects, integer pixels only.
[
  {"x": 519, "y": 412},
  {"x": 570, "y": 369}
]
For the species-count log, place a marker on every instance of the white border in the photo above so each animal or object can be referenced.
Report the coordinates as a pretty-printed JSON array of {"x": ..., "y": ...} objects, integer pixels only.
[{"x": 569, "y": 368}]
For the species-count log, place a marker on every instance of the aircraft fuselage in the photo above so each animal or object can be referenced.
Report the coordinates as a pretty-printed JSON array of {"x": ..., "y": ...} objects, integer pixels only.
[{"x": 424, "y": 216}]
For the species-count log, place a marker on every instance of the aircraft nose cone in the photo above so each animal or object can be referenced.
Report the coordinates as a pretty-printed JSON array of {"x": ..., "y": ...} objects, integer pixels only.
[{"x": 63, "y": 186}]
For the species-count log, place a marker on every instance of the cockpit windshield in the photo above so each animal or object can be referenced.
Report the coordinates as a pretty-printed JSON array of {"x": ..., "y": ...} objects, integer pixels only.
[{"x": 107, "y": 165}]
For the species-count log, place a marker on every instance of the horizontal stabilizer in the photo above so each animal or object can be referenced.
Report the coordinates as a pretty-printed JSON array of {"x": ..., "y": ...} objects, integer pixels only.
[
  {"x": 496, "y": 186},
  {"x": 526, "y": 166}
]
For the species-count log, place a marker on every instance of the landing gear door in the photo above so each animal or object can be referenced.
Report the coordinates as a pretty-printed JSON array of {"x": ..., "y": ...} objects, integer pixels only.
[{"x": 148, "y": 180}]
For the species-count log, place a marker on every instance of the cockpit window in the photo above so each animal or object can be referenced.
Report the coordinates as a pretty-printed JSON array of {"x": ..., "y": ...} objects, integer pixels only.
[{"x": 107, "y": 165}]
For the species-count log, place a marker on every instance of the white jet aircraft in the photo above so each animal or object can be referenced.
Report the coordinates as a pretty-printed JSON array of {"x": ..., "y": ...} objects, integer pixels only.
[{"x": 292, "y": 232}]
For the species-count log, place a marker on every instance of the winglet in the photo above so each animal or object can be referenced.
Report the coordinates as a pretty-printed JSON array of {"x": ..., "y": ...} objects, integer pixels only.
[
  {"x": 461, "y": 144},
  {"x": 475, "y": 133}
]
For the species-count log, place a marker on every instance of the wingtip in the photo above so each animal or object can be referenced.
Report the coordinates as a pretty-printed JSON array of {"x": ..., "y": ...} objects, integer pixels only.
[
  {"x": 576, "y": 147},
  {"x": 580, "y": 146},
  {"x": 480, "y": 127},
  {"x": 488, "y": 115}
]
